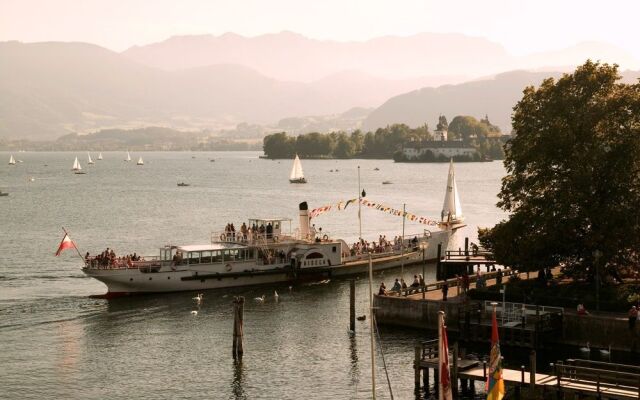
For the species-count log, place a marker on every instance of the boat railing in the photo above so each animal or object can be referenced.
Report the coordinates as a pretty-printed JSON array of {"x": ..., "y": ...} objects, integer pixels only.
[
  {"x": 250, "y": 239},
  {"x": 144, "y": 262}
]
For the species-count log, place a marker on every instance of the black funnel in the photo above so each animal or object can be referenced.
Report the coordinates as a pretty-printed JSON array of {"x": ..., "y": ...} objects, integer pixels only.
[{"x": 303, "y": 206}]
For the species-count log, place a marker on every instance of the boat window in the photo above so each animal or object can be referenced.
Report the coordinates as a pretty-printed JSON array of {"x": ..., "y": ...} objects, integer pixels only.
[
  {"x": 216, "y": 256},
  {"x": 194, "y": 257},
  {"x": 205, "y": 257},
  {"x": 315, "y": 255},
  {"x": 333, "y": 249},
  {"x": 231, "y": 255}
]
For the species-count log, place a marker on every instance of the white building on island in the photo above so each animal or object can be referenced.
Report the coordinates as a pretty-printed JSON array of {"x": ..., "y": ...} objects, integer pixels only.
[{"x": 438, "y": 147}]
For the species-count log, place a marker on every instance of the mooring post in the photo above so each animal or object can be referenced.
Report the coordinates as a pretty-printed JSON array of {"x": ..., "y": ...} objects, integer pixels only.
[
  {"x": 238, "y": 329},
  {"x": 416, "y": 366},
  {"x": 425, "y": 380},
  {"x": 439, "y": 274},
  {"x": 352, "y": 305},
  {"x": 532, "y": 371},
  {"x": 454, "y": 372},
  {"x": 436, "y": 381},
  {"x": 466, "y": 248}
]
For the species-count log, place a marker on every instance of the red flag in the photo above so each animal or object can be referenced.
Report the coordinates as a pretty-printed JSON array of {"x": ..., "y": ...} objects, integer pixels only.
[
  {"x": 66, "y": 243},
  {"x": 443, "y": 355}
]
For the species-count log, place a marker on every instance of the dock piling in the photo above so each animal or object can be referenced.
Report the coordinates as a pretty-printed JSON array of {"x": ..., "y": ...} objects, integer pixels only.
[
  {"x": 454, "y": 372},
  {"x": 416, "y": 366},
  {"x": 532, "y": 371},
  {"x": 352, "y": 305},
  {"x": 238, "y": 329}
]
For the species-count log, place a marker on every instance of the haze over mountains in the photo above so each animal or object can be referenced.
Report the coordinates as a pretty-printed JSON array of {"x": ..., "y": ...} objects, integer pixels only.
[{"x": 50, "y": 89}]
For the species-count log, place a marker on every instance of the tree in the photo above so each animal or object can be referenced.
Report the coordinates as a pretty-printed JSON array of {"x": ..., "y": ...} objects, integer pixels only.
[
  {"x": 573, "y": 183},
  {"x": 344, "y": 146},
  {"x": 278, "y": 145}
]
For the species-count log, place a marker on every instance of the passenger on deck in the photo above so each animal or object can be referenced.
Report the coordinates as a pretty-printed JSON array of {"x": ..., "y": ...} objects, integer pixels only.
[
  {"x": 421, "y": 280},
  {"x": 383, "y": 289},
  {"x": 416, "y": 284},
  {"x": 396, "y": 286},
  {"x": 403, "y": 283},
  {"x": 243, "y": 229}
]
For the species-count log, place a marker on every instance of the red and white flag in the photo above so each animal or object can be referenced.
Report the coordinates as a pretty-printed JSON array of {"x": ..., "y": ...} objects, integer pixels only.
[
  {"x": 443, "y": 360},
  {"x": 66, "y": 243}
]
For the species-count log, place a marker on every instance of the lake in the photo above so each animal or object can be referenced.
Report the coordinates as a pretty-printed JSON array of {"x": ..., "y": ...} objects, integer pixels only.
[{"x": 58, "y": 342}]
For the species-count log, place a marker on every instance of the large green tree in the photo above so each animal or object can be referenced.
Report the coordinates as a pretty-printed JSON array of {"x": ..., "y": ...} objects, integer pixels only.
[{"x": 573, "y": 183}]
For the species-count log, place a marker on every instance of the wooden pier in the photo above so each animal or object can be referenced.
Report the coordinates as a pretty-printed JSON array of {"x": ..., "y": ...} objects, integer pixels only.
[{"x": 571, "y": 377}]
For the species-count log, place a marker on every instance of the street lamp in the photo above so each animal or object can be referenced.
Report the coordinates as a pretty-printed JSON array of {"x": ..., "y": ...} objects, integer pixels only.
[{"x": 596, "y": 261}]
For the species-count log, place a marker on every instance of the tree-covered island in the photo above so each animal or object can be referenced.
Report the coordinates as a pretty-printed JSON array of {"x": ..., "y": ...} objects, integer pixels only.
[{"x": 482, "y": 140}]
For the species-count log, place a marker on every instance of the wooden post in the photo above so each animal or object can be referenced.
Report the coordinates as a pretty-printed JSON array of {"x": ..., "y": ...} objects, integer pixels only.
[
  {"x": 416, "y": 366},
  {"x": 454, "y": 372},
  {"x": 466, "y": 250},
  {"x": 352, "y": 305},
  {"x": 425, "y": 380},
  {"x": 532, "y": 371},
  {"x": 439, "y": 274},
  {"x": 238, "y": 328},
  {"x": 436, "y": 381}
]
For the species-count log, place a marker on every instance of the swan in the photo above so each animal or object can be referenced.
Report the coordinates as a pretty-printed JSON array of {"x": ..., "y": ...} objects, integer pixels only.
[
  {"x": 194, "y": 312},
  {"x": 290, "y": 288},
  {"x": 586, "y": 350},
  {"x": 260, "y": 299},
  {"x": 275, "y": 295},
  {"x": 198, "y": 298},
  {"x": 604, "y": 353}
]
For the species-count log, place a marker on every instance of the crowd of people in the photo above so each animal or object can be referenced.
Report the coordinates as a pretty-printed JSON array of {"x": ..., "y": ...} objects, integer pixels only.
[
  {"x": 108, "y": 259},
  {"x": 383, "y": 245},
  {"x": 399, "y": 285},
  {"x": 245, "y": 232}
]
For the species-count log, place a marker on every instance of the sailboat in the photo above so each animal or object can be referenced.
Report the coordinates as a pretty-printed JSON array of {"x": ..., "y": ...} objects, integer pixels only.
[
  {"x": 140, "y": 162},
  {"x": 12, "y": 161},
  {"x": 451, "y": 209},
  {"x": 99, "y": 156},
  {"x": 128, "y": 156},
  {"x": 77, "y": 168},
  {"x": 90, "y": 161},
  {"x": 297, "y": 176}
]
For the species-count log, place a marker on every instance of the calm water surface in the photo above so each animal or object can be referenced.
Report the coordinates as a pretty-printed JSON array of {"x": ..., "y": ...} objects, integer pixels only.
[{"x": 57, "y": 342}]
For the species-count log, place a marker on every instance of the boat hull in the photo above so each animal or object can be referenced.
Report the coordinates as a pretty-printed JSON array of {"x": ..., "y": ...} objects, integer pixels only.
[{"x": 131, "y": 281}]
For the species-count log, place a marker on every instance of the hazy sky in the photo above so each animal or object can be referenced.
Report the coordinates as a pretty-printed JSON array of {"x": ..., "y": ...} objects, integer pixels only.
[{"x": 521, "y": 26}]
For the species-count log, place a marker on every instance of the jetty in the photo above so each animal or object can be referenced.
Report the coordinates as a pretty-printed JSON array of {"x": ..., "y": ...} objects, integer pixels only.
[{"x": 572, "y": 376}]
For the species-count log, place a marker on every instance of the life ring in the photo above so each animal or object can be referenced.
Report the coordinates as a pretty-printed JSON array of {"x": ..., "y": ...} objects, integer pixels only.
[
  {"x": 223, "y": 237},
  {"x": 325, "y": 238},
  {"x": 228, "y": 267}
]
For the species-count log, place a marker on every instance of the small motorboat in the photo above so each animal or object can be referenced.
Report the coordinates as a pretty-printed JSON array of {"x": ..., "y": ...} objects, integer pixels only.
[
  {"x": 212, "y": 160},
  {"x": 376, "y": 169},
  {"x": 2, "y": 194},
  {"x": 387, "y": 182},
  {"x": 183, "y": 184}
]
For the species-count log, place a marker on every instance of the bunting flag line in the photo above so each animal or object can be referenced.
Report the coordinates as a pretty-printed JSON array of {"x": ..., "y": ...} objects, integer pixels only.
[{"x": 342, "y": 205}]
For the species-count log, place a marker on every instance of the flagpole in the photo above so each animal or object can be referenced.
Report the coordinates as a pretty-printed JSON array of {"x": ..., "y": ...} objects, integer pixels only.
[
  {"x": 373, "y": 355},
  {"x": 74, "y": 245},
  {"x": 359, "y": 205},
  {"x": 404, "y": 213},
  {"x": 440, "y": 355}
]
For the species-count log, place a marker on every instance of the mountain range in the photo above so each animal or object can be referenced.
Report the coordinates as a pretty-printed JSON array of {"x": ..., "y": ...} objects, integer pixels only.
[{"x": 195, "y": 82}]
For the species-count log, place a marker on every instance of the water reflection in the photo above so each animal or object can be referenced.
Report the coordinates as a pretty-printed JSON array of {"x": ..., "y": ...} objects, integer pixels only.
[
  {"x": 354, "y": 371},
  {"x": 238, "y": 377}
]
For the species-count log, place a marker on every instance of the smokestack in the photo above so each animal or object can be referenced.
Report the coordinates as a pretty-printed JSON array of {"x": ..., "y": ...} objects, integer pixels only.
[{"x": 304, "y": 220}]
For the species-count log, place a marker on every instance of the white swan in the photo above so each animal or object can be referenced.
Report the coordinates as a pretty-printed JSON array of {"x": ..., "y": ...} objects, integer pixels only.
[
  {"x": 194, "y": 312},
  {"x": 586, "y": 350},
  {"x": 198, "y": 298},
  {"x": 604, "y": 353},
  {"x": 275, "y": 295},
  {"x": 260, "y": 299}
]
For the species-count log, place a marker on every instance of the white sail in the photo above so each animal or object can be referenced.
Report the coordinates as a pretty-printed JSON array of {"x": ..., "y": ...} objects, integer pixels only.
[
  {"x": 296, "y": 170},
  {"x": 90, "y": 161},
  {"x": 100, "y": 156},
  {"x": 12, "y": 161},
  {"x": 76, "y": 165},
  {"x": 128, "y": 156},
  {"x": 140, "y": 162},
  {"x": 452, "y": 209}
]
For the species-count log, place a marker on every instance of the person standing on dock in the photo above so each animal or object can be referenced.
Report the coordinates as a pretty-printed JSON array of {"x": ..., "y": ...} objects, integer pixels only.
[{"x": 445, "y": 290}]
